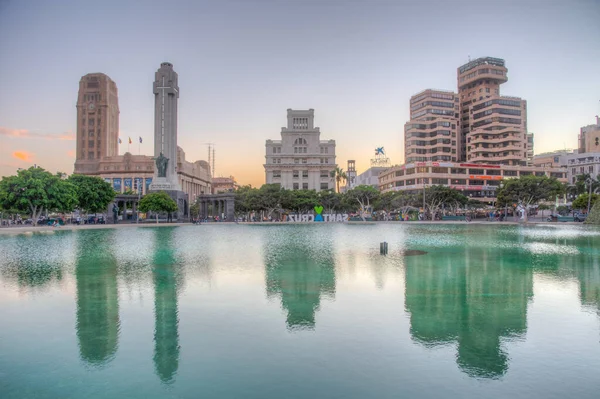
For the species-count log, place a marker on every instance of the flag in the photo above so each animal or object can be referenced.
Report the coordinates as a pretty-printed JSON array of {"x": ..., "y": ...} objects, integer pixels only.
[
  {"x": 140, "y": 139},
  {"x": 130, "y": 140},
  {"x": 119, "y": 140}
]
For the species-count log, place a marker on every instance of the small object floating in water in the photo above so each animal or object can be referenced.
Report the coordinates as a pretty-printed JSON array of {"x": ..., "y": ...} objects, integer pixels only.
[
  {"x": 413, "y": 252},
  {"x": 383, "y": 248}
]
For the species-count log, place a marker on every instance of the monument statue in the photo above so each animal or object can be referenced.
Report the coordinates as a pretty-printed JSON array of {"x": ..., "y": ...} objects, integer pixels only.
[{"x": 161, "y": 165}]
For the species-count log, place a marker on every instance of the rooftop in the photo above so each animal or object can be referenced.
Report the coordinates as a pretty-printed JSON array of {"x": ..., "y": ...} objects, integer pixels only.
[{"x": 481, "y": 61}]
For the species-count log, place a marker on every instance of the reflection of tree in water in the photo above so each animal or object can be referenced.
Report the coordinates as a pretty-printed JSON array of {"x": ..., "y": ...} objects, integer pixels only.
[
  {"x": 300, "y": 271},
  {"x": 97, "y": 296},
  {"x": 466, "y": 299},
  {"x": 166, "y": 318}
]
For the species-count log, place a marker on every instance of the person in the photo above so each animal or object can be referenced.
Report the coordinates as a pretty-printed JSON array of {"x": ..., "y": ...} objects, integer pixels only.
[{"x": 78, "y": 220}]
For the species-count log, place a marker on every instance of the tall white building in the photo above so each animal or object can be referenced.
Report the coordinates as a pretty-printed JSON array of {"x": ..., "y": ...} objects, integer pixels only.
[{"x": 300, "y": 160}]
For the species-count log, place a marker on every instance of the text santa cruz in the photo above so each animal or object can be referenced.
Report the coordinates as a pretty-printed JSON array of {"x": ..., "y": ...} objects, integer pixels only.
[{"x": 327, "y": 217}]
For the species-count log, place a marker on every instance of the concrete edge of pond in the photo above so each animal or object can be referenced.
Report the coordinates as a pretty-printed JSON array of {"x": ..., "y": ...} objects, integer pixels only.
[{"x": 29, "y": 230}]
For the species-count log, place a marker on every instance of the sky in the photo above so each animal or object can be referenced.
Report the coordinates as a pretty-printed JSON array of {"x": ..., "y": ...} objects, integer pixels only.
[{"x": 242, "y": 64}]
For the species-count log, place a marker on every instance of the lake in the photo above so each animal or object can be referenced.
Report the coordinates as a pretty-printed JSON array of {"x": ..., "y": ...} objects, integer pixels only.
[{"x": 301, "y": 311}]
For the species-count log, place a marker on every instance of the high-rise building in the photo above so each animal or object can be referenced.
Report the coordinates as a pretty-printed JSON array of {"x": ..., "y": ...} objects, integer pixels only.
[
  {"x": 493, "y": 127},
  {"x": 300, "y": 160},
  {"x": 97, "y": 119},
  {"x": 431, "y": 133},
  {"x": 530, "y": 137},
  {"x": 351, "y": 174},
  {"x": 589, "y": 138}
]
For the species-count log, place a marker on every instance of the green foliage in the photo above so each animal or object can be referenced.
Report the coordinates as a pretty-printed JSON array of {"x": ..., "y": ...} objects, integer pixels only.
[
  {"x": 157, "y": 202},
  {"x": 34, "y": 190},
  {"x": 130, "y": 192},
  {"x": 581, "y": 202},
  {"x": 364, "y": 196},
  {"x": 594, "y": 216},
  {"x": 582, "y": 185},
  {"x": 93, "y": 194},
  {"x": 436, "y": 196},
  {"x": 529, "y": 190},
  {"x": 338, "y": 175}
]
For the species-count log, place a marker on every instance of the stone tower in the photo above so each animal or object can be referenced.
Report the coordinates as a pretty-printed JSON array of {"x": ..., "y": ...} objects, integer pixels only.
[{"x": 166, "y": 93}]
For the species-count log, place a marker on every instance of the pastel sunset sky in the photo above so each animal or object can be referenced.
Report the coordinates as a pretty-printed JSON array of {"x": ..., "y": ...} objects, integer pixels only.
[{"x": 241, "y": 64}]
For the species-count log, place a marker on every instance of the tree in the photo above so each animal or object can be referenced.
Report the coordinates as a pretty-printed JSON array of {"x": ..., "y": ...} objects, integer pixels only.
[
  {"x": 93, "y": 194},
  {"x": 529, "y": 190},
  {"x": 436, "y": 196},
  {"x": 34, "y": 190},
  {"x": 543, "y": 207},
  {"x": 338, "y": 175},
  {"x": 594, "y": 216},
  {"x": 364, "y": 195},
  {"x": 270, "y": 197},
  {"x": 157, "y": 202},
  {"x": 581, "y": 202},
  {"x": 329, "y": 200}
]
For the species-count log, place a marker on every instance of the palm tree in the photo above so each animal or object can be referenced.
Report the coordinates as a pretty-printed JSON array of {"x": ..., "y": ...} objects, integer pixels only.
[{"x": 338, "y": 174}]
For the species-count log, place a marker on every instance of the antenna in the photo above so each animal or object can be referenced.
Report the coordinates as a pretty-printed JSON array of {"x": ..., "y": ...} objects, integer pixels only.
[{"x": 211, "y": 158}]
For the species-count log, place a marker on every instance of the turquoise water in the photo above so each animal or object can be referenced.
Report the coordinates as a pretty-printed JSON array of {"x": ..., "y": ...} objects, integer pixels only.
[{"x": 301, "y": 311}]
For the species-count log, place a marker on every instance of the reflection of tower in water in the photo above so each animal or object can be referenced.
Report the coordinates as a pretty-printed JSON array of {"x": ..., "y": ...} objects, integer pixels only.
[
  {"x": 466, "y": 299},
  {"x": 300, "y": 271},
  {"x": 166, "y": 321},
  {"x": 97, "y": 296}
]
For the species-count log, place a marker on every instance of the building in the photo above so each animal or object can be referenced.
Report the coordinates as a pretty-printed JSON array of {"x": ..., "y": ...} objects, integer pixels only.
[
  {"x": 370, "y": 177},
  {"x": 554, "y": 159},
  {"x": 580, "y": 164},
  {"x": 530, "y": 137},
  {"x": 493, "y": 127},
  {"x": 97, "y": 120},
  {"x": 98, "y": 145},
  {"x": 477, "y": 181},
  {"x": 223, "y": 184},
  {"x": 431, "y": 133},
  {"x": 589, "y": 138},
  {"x": 300, "y": 160},
  {"x": 351, "y": 174}
]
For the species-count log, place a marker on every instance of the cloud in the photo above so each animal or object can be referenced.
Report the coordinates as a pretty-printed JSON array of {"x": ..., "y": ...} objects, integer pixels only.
[
  {"x": 28, "y": 134},
  {"x": 23, "y": 156}
]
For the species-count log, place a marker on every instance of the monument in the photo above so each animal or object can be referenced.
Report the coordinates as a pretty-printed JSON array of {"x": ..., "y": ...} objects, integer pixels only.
[{"x": 166, "y": 93}]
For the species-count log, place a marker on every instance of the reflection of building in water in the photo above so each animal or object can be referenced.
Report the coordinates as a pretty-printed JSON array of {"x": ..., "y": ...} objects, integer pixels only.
[
  {"x": 300, "y": 271},
  {"x": 586, "y": 268},
  {"x": 465, "y": 298},
  {"x": 97, "y": 296},
  {"x": 166, "y": 321}
]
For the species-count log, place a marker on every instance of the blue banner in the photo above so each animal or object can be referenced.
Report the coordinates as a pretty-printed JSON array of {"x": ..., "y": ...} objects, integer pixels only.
[
  {"x": 117, "y": 185},
  {"x": 137, "y": 184},
  {"x": 128, "y": 182},
  {"x": 148, "y": 182},
  {"x": 108, "y": 179}
]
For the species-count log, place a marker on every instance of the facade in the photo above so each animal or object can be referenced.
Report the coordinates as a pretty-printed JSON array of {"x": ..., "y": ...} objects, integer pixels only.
[
  {"x": 300, "y": 160},
  {"x": 589, "y": 138},
  {"x": 431, "y": 133},
  {"x": 580, "y": 164},
  {"x": 351, "y": 174},
  {"x": 530, "y": 137},
  {"x": 554, "y": 159},
  {"x": 370, "y": 177},
  {"x": 98, "y": 145},
  {"x": 223, "y": 184},
  {"x": 477, "y": 181},
  {"x": 97, "y": 119},
  {"x": 493, "y": 127}
]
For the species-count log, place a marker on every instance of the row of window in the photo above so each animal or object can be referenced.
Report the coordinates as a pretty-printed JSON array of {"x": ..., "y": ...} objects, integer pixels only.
[
  {"x": 423, "y": 135},
  {"x": 433, "y": 103},
  {"x": 296, "y": 174},
  {"x": 433, "y": 111},
  {"x": 424, "y": 126},
  {"x": 432, "y": 95},
  {"x": 499, "y": 101},
  {"x": 497, "y": 111},
  {"x": 513, "y": 121},
  {"x": 471, "y": 171},
  {"x": 430, "y": 142},
  {"x": 296, "y": 186}
]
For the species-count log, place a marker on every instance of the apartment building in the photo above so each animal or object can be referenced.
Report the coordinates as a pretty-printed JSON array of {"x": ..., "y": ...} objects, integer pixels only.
[{"x": 493, "y": 127}]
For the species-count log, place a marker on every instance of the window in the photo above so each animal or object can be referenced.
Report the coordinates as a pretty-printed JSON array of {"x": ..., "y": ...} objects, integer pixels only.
[
  {"x": 295, "y": 174},
  {"x": 510, "y": 173},
  {"x": 493, "y": 172},
  {"x": 296, "y": 160},
  {"x": 303, "y": 160},
  {"x": 91, "y": 133},
  {"x": 276, "y": 174},
  {"x": 304, "y": 186},
  {"x": 91, "y": 155},
  {"x": 295, "y": 186},
  {"x": 423, "y": 169},
  {"x": 459, "y": 181},
  {"x": 324, "y": 186},
  {"x": 475, "y": 171},
  {"x": 399, "y": 173},
  {"x": 324, "y": 173},
  {"x": 461, "y": 171},
  {"x": 91, "y": 143},
  {"x": 305, "y": 174},
  {"x": 439, "y": 170},
  {"x": 525, "y": 173},
  {"x": 410, "y": 171},
  {"x": 274, "y": 150},
  {"x": 439, "y": 181}
]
